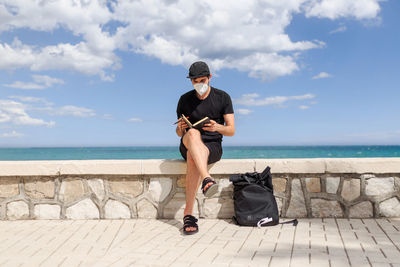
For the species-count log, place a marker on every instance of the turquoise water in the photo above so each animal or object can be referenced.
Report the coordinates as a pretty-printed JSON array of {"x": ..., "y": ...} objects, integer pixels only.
[{"x": 172, "y": 152}]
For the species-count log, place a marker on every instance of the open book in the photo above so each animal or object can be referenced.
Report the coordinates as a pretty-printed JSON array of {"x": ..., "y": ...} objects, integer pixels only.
[{"x": 198, "y": 125}]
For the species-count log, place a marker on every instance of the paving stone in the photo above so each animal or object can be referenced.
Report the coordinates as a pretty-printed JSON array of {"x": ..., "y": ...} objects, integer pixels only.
[
  {"x": 379, "y": 186},
  {"x": 313, "y": 185},
  {"x": 221, "y": 208},
  {"x": 176, "y": 206},
  {"x": 146, "y": 210},
  {"x": 279, "y": 185},
  {"x": 361, "y": 210},
  {"x": 84, "y": 209},
  {"x": 332, "y": 184},
  {"x": 325, "y": 208},
  {"x": 17, "y": 210},
  {"x": 97, "y": 187},
  {"x": 297, "y": 206},
  {"x": 390, "y": 208},
  {"x": 39, "y": 188},
  {"x": 8, "y": 187},
  {"x": 126, "y": 187},
  {"x": 159, "y": 188},
  {"x": 116, "y": 210},
  {"x": 47, "y": 211},
  {"x": 351, "y": 189},
  {"x": 71, "y": 189}
]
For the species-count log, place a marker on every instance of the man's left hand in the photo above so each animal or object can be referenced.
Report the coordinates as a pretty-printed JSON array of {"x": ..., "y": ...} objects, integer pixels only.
[{"x": 213, "y": 126}]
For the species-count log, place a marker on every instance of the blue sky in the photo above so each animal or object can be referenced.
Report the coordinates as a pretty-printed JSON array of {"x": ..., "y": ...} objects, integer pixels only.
[{"x": 110, "y": 73}]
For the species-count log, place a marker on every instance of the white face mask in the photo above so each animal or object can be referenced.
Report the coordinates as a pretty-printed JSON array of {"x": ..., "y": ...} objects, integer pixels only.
[{"x": 201, "y": 88}]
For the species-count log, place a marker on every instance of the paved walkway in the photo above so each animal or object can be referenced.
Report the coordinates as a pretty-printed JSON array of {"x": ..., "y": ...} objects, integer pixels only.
[{"x": 314, "y": 242}]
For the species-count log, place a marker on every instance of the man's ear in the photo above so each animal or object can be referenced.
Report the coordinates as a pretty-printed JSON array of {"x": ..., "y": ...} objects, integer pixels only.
[{"x": 209, "y": 77}]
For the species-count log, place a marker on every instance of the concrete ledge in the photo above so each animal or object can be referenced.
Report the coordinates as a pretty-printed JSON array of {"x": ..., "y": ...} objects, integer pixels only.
[{"x": 226, "y": 166}]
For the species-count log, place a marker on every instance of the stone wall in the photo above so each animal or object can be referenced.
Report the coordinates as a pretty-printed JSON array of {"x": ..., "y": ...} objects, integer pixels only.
[{"x": 111, "y": 189}]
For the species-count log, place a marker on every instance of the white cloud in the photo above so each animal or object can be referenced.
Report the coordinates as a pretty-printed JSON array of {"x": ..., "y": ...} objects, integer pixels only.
[
  {"x": 74, "y": 111},
  {"x": 32, "y": 99},
  {"x": 333, "y": 9},
  {"x": 247, "y": 35},
  {"x": 322, "y": 75},
  {"x": 41, "y": 82},
  {"x": 304, "y": 107},
  {"x": 340, "y": 29},
  {"x": 243, "y": 111},
  {"x": 135, "y": 120},
  {"x": 254, "y": 100},
  {"x": 108, "y": 117},
  {"x": 12, "y": 134},
  {"x": 15, "y": 113}
]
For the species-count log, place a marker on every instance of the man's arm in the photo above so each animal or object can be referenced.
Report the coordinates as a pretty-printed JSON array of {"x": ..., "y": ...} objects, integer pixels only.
[{"x": 228, "y": 129}]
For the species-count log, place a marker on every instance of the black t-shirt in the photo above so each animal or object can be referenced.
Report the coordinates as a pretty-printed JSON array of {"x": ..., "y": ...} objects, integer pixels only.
[{"x": 214, "y": 106}]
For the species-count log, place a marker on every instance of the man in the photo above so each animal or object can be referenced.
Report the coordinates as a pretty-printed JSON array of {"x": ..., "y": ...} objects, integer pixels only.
[{"x": 202, "y": 147}]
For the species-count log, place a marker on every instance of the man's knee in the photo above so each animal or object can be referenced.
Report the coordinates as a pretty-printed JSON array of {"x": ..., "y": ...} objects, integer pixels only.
[{"x": 190, "y": 135}]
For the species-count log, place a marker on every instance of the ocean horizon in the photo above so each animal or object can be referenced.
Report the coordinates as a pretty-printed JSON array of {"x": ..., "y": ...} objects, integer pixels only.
[{"x": 172, "y": 152}]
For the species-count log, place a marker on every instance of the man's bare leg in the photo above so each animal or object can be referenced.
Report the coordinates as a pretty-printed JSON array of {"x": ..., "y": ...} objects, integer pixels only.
[{"x": 198, "y": 151}]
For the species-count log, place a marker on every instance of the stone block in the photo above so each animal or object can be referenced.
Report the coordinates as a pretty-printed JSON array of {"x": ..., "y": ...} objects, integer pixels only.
[
  {"x": 332, "y": 184},
  {"x": 9, "y": 187},
  {"x": 297, "y": 206},
  {"x": 279, "y": 203},
  {"x": 84, "y": 209},
  {"x": 181, "y": 182},
  {"x": 17, "y": 210},
  {"x": 146, "y": 210},
  {"x": 176, "y": 206},
  {"x": 225, "y": 187},
  {"x": 361, "y": 210},
  {"x": 379, "y": 186},
  {"x": 291, "y": 165},
  {"x": 126, "y": 187},
  {"x": 229, "y": 166},
  {"x": 47, "y": 211},
  {"x": 71, "y": 189},
  {"x": 97, "y": 187},
  {"x": 116, "y": 210},
  {"x": 159, "y": 188},
  {"x": 390, "y": 208},
  {"x": 322, "y": 208},
  {"x": 221, "y": 208},
  {"x": 83, "y": 167},
  {"x": 313, "y": 185},
  {"x": 163, "y": 167},
  {"x": 39, "y": 188},
  {"x": 279, "y": 185},
  {"x": 351, "y": 189}
]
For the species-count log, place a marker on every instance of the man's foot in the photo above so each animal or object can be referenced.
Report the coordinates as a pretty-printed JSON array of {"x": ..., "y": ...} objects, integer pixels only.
[
  {"x": 190, "y": 226},
  {"x": 209, "y": 187}
]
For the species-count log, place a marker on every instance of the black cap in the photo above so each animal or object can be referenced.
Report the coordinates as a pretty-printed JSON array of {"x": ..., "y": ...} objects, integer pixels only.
[{"x": 198, "y": 69}]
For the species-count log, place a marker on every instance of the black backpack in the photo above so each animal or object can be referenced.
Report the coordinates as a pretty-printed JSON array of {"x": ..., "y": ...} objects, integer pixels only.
[{"x": 254, "y": 199}]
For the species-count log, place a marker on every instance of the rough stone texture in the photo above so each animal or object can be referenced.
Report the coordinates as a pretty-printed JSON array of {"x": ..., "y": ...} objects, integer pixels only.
[
  {"x": 84, "y": 209},
  {"x": 361, "y": 210},
  {"x": 313, "y": 185},
  {"x": 146, "y": 210},
  {"x": 126, "y": 187},
  {"x": 46, "y": 211},
  {"x": 221, "y": 208},
  {"x": 181, "y": 182},
  {"x": 9, "y": 187},
  {"x": 175, "y": 207},
  {"x": 159, "y": 188},
  {"x": 97, "y": 187},
  {"x": 379, "y": 186},
  {"x": 297, "y": 206},
  {"x": 332, "y": 184},
  {"x": 17, "y": 210},
  {"x": 279, "y": 185},
  {"x": 225, "y": 187},
  {"x": 351, "y": 189},
  {"x": 325, "y": 208},
  {"x": 71, "y": 189},
  {"x": 390, "y": 208},
  {"x": 116, "y": 210},
  {"x": 279, "y": 203},
  {"x": 39, "y": 188}
]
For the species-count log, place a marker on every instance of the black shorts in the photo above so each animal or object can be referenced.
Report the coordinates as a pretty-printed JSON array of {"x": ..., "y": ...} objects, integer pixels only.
[{"x": 215, "y": 149}]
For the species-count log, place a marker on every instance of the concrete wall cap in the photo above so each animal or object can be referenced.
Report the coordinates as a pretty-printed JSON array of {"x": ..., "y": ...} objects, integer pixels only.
[{"x": 177, "y": 166}]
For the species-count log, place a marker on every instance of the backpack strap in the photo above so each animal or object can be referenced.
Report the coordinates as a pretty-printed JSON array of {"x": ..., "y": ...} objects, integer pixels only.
[{"x": 294, "y": 221}]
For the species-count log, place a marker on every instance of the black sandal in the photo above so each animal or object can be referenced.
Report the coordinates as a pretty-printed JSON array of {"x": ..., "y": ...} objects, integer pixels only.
[
  {"x": 211, "y": 189},
  {"x": 190, "y": 221}
]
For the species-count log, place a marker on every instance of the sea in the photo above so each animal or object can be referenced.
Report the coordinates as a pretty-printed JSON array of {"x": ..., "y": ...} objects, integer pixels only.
[{"x": 172, "y": 152}]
